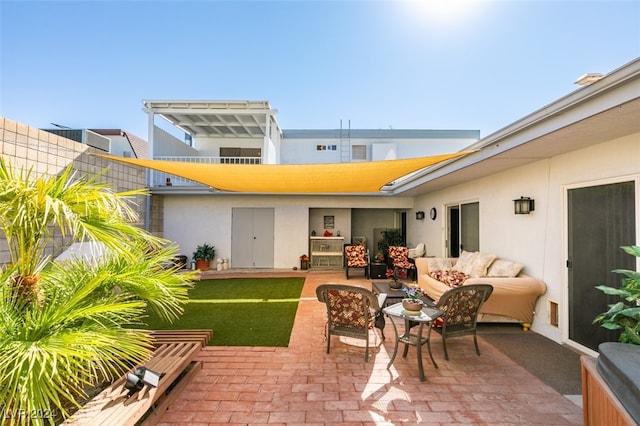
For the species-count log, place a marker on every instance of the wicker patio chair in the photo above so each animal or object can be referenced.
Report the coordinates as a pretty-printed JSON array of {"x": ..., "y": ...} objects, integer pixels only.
[
  {"x": 460, "y": 306},
  {"x": 351, "y": 312},
  {"x": 399, "y": 258},
  {"x": 356, "y": 257}
]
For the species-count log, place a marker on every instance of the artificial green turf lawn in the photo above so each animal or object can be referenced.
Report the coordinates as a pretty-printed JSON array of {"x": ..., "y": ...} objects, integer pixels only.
[{"x": 240, "y": 311}]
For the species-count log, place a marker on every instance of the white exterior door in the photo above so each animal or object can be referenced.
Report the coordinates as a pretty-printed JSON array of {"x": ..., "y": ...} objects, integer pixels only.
[{"x": 252, "y": 237}]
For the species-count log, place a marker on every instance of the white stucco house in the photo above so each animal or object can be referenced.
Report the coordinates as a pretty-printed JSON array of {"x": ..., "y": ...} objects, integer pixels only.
[{"x": 578, "y": 158}]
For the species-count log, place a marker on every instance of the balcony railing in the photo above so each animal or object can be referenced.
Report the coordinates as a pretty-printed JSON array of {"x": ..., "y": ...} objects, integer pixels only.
[{"x": 166, "y": 179}]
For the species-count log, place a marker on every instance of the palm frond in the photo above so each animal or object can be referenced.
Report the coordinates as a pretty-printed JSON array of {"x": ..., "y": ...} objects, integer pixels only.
[
  {"x": 75, "y": 329},
  {"x": 49, "y": 354}
]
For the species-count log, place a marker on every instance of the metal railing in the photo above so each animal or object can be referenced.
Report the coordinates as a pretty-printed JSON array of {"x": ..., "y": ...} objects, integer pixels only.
[{"x": 167, "y": 179}]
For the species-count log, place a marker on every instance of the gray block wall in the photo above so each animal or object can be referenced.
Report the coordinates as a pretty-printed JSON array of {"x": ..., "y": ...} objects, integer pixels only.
[{"x": 46, "y": 153}]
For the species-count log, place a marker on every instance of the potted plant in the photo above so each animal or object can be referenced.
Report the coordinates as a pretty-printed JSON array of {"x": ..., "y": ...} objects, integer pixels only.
[
  {"x": 412, "y": 303},
  {"x": 390, "y": 237},
  {"x": 394, "y": 274},
  {"x": 304, "y": 262},
  {"x": 625, "y": 314},
  {"x": 203, "y": 256}
]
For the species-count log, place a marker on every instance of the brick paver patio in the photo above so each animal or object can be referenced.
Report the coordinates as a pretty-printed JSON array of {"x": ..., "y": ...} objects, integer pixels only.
[{"x": 303, "y": 385}]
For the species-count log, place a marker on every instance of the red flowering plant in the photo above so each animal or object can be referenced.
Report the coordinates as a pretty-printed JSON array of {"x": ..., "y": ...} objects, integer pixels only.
[
  {"x": 395, "y": 273},
  {"x": 304, "y": 258}
]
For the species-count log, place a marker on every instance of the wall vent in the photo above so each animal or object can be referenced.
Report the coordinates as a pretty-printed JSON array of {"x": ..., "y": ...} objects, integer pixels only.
[
  {"x": 553, "y": 313},
  {"x": 97, "y": 141}
]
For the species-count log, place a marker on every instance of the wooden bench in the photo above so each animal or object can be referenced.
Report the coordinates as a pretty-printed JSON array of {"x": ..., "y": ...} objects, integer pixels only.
[
  {"x": 171, "y": 336},
  {"x": 173, "y": 357}
]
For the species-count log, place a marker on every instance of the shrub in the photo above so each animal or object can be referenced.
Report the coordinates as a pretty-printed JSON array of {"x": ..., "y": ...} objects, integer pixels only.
[{"x": 625, "y": 314}]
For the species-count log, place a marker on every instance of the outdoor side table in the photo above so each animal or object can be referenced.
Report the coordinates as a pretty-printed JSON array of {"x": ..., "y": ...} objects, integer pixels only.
[
  {"x": 426, "y": 317},
  {"x": 393, "y": 295},
  {"x": 377, "y": 270}
]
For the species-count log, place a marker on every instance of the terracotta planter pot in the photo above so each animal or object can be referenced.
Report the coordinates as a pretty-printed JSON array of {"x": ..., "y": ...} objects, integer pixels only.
[{"x": 202, "y": 264}]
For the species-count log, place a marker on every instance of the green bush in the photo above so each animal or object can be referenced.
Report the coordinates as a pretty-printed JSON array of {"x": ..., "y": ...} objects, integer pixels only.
[{"x": 625, "y": 314}]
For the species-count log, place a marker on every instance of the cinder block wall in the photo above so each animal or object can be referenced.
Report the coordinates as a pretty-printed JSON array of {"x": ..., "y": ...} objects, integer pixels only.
[{"x": 45, "y": 153}]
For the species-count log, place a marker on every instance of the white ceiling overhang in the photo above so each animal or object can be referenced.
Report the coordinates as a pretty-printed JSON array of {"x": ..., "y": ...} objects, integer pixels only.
[{"x": 242, "y": 119}]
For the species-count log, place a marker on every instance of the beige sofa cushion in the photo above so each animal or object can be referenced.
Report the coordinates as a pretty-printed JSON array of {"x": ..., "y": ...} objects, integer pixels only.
[
  {"x": 465, "y": 262},
  {"x": 481, "y": 265},
  {"x": 504, "y": 268},
  {"x": 439, "y": 264},
  {"x": 474, "y": 264}
]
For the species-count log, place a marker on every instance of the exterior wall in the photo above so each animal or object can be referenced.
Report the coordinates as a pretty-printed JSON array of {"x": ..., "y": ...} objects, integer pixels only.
[
  {"x": 165, "y": 144},
  {"x": 120, "y": 145},
  {"x": 46, "y": 153},
  {"x": 365, "y": 221},
  {"x": 156, "y": 215},
  {"x": 272, "y": 150},
  {"x": 191, "y": 220},
  {"x": 301, "y": 151},
  {"x": 299, "y": 147},
  {"x": 537, "y": 240},
  {"x": 210, "y": 147},
  {"x": 342, "y": 222}
]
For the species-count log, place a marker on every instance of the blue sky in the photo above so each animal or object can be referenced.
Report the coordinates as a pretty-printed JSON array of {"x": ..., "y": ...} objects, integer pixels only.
[{"x": 377, "y": 64}]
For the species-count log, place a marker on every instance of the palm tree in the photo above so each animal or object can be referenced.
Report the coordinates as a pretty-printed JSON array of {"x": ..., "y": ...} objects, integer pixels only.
[{"x": 67, "y": 325}]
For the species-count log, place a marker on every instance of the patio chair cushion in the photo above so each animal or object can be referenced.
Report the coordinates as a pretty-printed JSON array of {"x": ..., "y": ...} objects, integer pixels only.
[
  {"x": 356, "y": 256},
  {"x": 400, "y": 256},
  {"x": 346, "y": 310}
]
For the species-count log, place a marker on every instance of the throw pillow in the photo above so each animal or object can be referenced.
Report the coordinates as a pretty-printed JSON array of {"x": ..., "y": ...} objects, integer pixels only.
[
  {"x": 439, "y": 264},
  {"x": 465, "y": 262},
  {"x": 456, "y": 278},
  {"x": 481, "y": 264},
  {"x": 451, "y": 278},
  {"x": 437, "y": 274},
  {"x": 504, "y": 268}
]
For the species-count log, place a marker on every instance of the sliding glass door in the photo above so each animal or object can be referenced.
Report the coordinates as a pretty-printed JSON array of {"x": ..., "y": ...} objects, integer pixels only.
[{"x": 463, "y": 229}]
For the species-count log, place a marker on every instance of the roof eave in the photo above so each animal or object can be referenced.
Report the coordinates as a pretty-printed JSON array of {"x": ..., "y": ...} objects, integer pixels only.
[{"x": 550, "y": 118}]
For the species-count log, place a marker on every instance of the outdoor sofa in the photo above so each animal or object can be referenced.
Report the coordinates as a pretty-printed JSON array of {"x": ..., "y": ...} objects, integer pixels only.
[{"x": 514, "y": 293}]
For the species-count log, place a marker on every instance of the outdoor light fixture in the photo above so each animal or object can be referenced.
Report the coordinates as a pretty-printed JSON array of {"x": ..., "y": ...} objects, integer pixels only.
[
  {"x": 523, "y": 205},
  {"x": 420, "y": 215},
  {"x": 140, "y": 377}
]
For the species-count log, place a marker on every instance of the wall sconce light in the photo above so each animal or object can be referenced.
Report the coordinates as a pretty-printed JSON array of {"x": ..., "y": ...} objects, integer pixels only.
[
  {"x": 420, "y": 215},
  {"x": 523, "y": 205}
]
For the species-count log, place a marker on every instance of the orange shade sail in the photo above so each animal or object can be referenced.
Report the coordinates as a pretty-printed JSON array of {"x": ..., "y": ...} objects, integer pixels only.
[{"x": 365, "y": 177}]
